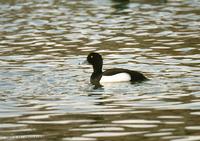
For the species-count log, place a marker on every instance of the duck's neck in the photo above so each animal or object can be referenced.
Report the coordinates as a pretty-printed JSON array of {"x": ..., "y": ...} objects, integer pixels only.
[{"x": 97, "y": 68}]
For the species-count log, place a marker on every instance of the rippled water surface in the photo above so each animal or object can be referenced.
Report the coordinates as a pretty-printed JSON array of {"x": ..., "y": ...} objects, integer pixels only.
[{"x": 45, "y": 92}]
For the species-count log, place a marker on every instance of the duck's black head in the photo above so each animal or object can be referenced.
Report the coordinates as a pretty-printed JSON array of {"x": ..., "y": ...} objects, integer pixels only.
[{"x": 95, "y": 60}]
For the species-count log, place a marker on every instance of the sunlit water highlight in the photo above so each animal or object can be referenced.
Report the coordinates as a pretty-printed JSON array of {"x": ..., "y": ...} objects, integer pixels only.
[{"x": 45, "y": 92}]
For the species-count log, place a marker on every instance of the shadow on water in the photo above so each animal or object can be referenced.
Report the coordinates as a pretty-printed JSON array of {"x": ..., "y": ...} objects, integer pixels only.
[
  {"x": 150, "y": 1},
  {"x": 120, "y": 4}
]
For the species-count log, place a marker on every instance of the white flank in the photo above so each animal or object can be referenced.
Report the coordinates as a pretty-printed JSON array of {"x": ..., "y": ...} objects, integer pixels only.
[{"x": 120, "y": 77}]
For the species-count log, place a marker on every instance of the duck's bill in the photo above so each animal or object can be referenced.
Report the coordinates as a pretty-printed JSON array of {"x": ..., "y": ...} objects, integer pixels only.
[{"x": 84, "y": 63}]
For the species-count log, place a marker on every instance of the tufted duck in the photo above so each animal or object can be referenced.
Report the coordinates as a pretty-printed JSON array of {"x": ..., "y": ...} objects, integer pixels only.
[{"x": 112, "y": 75}]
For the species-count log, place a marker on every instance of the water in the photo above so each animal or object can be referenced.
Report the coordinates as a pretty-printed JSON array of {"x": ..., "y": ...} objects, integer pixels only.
[{"x": 45, "y": 92}]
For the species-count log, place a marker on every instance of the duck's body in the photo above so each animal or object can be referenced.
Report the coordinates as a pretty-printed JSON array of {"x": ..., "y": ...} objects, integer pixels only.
[{"x": 99, "y": 77}]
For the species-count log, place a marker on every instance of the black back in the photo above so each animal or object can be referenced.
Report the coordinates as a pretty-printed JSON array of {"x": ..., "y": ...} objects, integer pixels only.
[{"x": 135, "y": 75}]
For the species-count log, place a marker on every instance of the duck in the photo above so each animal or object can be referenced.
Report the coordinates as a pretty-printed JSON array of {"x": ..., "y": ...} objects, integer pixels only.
[{"x": 99, "y": 77}]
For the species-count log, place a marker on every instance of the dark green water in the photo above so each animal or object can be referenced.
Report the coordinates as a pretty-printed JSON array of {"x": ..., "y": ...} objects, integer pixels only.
[{"x": 45, "y": 92}]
